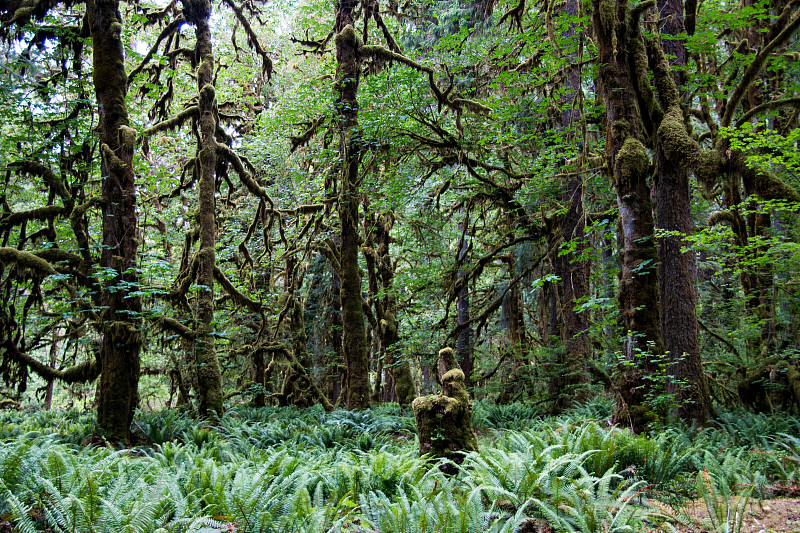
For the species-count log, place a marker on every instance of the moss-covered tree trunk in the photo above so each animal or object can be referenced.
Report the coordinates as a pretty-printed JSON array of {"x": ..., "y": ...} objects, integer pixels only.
[
  {"x": 677, "y": 268},
  {"x": 573, "y": 378},
  {"x": 121, "y": 343},
  {"x": 337, "y": 371},
  {"x": 380, "y": 266},
  {"x": 444, "y": 421},
  {"x": 622, "y": 78},
  {"x": 354, "y": 335},
  {"x": 209, "y": 376}
]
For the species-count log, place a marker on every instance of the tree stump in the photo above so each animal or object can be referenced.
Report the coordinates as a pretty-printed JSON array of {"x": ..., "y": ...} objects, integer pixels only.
[{"x": 444, "y": 421}]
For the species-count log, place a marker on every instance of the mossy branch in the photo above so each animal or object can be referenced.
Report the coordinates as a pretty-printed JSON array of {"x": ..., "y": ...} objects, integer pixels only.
[
  {"x": 172, "y": 123},
  {"x": 720, "y": 338},
  {"x": 765, "y": 184},
  {"x": 638, "y": 9},
  {"x": 514, "y": 16},
  {"x": 171, "y": 28},
  {"x": 749, "y": 75},
  {"x": 17, "y": 218},
  {"x": 252, "y": 38},
  {"x": 34, "y": 168},
  {"x": 387, "y": 35},
  {"x": 768, "y": 106},
  {"x": 245, "y": 176},
  {"x": 307, "y": 134},
  {"x": 26, "y": 261},
  {"x": 170, "y": 324},
  {"x": 234, "y": 293},
  {"x": 718, "y": 217},
  {"x": 80, "y": 373},
  {"x": 329, "y": 252},
  {"x": 382, "y": 53},
  {"x": 22, "y": 15}
]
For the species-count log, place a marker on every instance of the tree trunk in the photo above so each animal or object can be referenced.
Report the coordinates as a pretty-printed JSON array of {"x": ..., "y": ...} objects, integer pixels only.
[
  {"x": 118, "y": 391},
  {"x": 621, "y": 73},
  {"x": 571, "y": 268},
  {"x": 209, "y": 375},
  {"x": 380, "y": 266},
  {"x": 337, "y": 371},
  {"x": 464, "y": 339},
  {"x": 444, "y": 421},
  {"x": 677, "y": 269},
  {"x": 354, "y": 335},
  {"x": 573, "y": 381}
]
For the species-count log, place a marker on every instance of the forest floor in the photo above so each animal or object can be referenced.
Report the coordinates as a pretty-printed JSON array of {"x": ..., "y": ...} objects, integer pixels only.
[{"x": 765, "y": 516}]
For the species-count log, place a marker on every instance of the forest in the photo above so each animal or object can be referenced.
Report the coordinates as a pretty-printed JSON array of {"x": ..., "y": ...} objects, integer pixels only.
[{"x": 432, "y": 266}]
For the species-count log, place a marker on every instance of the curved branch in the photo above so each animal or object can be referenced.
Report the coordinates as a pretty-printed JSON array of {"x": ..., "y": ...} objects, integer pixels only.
[
  {"x": 234, "y": 293},
  {"x": 166, "y": 32},
  {"x": 252, "y": 39},
  {"x": 768, "y": 106},
  {"x": 755, "y": 66}
]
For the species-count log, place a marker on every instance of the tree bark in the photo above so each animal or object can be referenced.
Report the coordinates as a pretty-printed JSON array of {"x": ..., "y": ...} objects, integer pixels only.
[
  {"x": 209, "y": 375},
  {"x": 464, "y": 339},
  {"x": 118, "y": 390},
  {"x": 354, "y": 335},
  {"x": 677, "y": 269},
  {"x": 402, "y": 381},
  {"x": 623, "y": 62},
  {"x": 572, "y": 268}
]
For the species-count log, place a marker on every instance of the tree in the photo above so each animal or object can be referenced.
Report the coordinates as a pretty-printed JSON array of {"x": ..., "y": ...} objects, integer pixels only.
[
  {"x": 112, "y": 277},
  {"x": 354, "y": 336}
]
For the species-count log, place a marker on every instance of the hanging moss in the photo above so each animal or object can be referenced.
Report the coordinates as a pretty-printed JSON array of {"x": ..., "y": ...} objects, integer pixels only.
[{"x": 444, "y": 421}]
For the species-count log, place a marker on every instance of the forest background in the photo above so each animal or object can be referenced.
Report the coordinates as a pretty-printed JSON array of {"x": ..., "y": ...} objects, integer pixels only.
[
  {"x": 213, "y": 205},
  {"x": 301, "y": 203}
]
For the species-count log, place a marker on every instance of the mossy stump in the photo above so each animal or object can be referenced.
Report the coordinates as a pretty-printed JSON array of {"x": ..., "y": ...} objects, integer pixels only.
[{"x": 444, "y": 421}]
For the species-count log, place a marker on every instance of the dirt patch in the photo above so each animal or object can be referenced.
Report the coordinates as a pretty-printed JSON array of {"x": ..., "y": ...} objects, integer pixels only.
[{"x": 767, "y": 516}]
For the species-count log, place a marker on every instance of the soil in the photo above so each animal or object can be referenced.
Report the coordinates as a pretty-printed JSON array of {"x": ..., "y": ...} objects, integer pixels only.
[{"x": 766, "y": 516}]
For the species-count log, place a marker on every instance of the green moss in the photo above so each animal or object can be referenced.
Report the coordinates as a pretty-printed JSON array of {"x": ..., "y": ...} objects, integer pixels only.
[
  {"x": 444, "y": 421},
  {"x": 25, "y": 262},
  {"x": 632, "y": 161}
]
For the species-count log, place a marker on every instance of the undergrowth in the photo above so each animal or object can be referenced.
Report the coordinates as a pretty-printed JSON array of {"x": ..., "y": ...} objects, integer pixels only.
[{"x": 290, "y": 470}]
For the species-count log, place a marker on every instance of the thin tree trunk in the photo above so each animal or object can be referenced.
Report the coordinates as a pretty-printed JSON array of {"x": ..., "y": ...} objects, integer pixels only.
[
  {"x": 464, "y": 354},
  {"x": 209, "y": 375},
  {"x": 354, "y": 335},
  {"x": 573, "y": 379}
]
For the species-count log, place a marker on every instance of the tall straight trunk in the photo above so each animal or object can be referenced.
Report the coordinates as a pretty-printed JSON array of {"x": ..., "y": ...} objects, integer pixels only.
[
  {"x": 402, "y": 380},
  {"x": 354, "y": 334},
  {"x": 209, "y": 375},
  {"x": 570, "y": 268},
  {"x": 464, "y": 354},
  {"x": 620, "y": 48},
  {"x": 336, "y": 371},
  {"x": 121, "y": 344},
  {"x": 677, "y": 269},
  {"x": 573, "y": 272}
]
